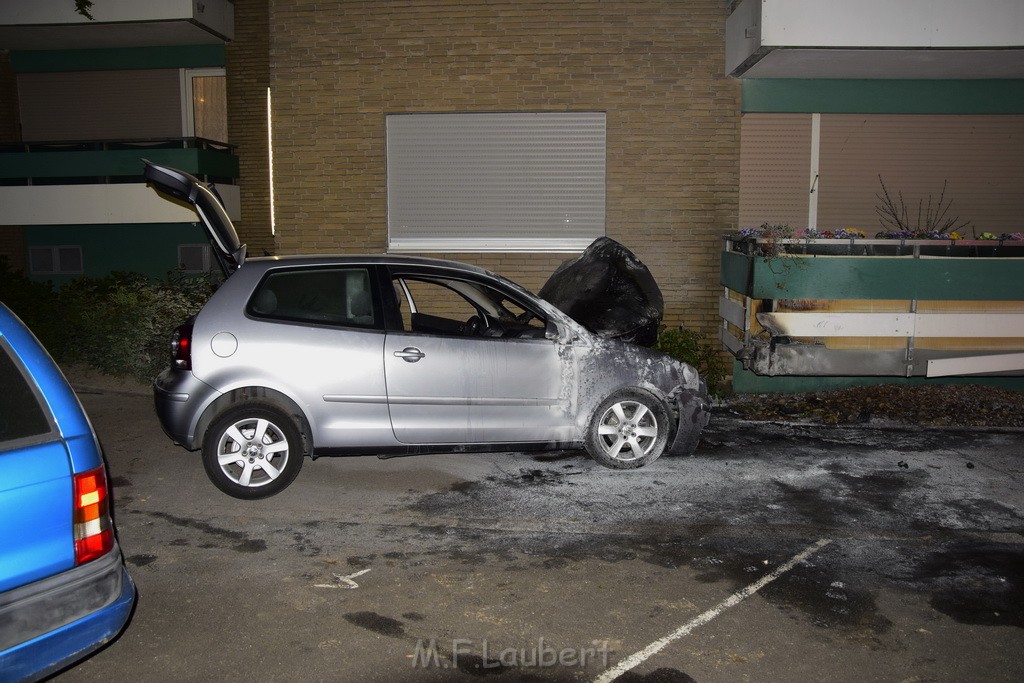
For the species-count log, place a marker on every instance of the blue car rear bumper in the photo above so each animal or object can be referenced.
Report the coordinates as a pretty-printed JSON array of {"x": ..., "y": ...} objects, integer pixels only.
[{"x": 52, "y": 650}]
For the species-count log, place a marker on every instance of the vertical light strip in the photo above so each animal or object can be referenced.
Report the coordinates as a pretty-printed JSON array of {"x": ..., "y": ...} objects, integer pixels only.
[
  {"x": 812, "y": 196},
  {"x": 270, "y": 157}
]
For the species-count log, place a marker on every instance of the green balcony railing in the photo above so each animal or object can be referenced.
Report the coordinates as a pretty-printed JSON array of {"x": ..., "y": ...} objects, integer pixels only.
[
  {"x": 874, "y": 307},
  {"x": 29, "y": 163}
]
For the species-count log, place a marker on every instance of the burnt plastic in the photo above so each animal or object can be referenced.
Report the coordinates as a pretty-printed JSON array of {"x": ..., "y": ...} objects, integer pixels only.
[{"x": 608, "y": 290}]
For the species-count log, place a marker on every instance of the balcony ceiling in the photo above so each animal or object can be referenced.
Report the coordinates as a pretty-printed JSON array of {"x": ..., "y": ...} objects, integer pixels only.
[
  {"x": 783, "y": 62},
  {"x": 56, "y": 25}
]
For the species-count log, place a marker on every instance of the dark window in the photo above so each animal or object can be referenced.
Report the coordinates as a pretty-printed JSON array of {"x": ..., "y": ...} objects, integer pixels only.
[
  {"x": 63, "y": 260},
  {"x": 21, "y": 416},
  {"x": 450, "y": 307},
  {"x": 336, "y": 296}
]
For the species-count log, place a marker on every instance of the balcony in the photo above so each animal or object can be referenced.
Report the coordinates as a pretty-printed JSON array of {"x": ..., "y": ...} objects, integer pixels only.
[
  {"x": 873, "y": 308},
  {"x": 54, "y": 24},
  {"x": 910, "y": 39},
  {"x": 88, "y": 183}
]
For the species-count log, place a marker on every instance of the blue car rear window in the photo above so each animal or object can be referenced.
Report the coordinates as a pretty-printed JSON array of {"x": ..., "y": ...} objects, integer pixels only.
[{"x": 21, "y": 416}]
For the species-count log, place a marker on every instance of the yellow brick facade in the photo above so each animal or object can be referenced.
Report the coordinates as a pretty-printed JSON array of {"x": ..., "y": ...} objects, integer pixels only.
[
  {"x": 337, "y": 69},
  {"x": 247, "y": 65}
]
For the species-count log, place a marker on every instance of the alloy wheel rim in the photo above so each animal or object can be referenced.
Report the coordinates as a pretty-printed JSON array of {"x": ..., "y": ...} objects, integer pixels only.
[
  {"x": 628, "y": 430},
  {"x": 252, "y": 452}
]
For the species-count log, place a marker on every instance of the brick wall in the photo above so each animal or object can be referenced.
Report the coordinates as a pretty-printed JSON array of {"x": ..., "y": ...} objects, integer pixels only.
[
  {"x": 12, "y": 247},
  {"x": 338, "y": 68},
  {"x": 248, "y": 76}
]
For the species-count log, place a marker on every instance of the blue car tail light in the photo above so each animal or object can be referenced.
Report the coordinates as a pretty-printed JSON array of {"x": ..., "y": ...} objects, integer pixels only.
[{"x": 93, "y": 529}]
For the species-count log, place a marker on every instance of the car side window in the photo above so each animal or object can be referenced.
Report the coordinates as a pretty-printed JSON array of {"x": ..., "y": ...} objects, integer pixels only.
[
  {"x": 462, "y": 308},
  {"x": 326, "y": 296},
  {"x": 21, "y": 415}
]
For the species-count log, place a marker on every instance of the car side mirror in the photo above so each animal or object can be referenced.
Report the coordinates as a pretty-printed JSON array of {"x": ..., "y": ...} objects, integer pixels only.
[{"x": 551, "y": 331}]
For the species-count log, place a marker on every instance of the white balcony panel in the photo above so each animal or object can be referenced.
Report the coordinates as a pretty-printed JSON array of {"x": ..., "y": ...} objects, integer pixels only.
[
  {"x": 54, "y": 24},
  {"x": 99, "y": 205},
  {"x": 884, "y": 23},
  {"x": 876, "y": 39}
]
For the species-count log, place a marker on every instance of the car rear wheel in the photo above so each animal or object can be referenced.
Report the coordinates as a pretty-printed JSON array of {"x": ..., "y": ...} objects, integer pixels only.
[
  {"x": 628, "y": 430},
  {"x": 252, "y": 451}
]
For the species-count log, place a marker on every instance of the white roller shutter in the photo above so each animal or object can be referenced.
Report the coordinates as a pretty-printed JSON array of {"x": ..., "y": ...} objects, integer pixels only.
[{"x": 495, "y": 182}]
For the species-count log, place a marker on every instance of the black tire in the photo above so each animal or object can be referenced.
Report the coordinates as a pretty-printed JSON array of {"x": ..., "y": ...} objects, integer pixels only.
[
  {"x": 250, "y": 475},
  {"x": 628, "y": 430}
]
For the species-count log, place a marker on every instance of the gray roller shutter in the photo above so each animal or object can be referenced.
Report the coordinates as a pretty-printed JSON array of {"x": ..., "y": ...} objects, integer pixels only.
[{"x": 495, "y": 182}]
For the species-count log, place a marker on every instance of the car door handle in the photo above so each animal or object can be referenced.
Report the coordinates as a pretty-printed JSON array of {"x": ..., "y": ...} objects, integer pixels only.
[{"x": 410, "y": 354}]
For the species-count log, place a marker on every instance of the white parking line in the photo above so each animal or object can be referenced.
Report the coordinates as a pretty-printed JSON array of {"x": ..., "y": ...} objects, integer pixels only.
[
  {"x": 733, "y": 600},
  {"x": 343, "y": 581}
]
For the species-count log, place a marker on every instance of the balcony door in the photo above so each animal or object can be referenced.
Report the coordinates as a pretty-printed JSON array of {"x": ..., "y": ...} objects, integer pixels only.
[{"x": 204, "y": 104}]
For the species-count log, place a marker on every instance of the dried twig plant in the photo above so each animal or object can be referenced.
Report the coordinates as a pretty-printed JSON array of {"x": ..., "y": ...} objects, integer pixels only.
[{"x": 932, "y": 220}]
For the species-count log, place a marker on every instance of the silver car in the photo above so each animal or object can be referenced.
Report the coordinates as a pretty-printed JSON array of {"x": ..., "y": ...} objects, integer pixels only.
[{"x": 393, "y": 355}]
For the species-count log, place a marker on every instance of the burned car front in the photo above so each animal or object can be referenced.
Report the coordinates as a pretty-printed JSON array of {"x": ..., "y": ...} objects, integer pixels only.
[
  {"x": 611, "y": 367},
  {"x": 610, "y": 293}
]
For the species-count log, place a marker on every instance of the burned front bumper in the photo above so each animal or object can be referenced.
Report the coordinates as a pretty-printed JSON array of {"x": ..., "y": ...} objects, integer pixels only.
[{"x": 694, "y": 412}]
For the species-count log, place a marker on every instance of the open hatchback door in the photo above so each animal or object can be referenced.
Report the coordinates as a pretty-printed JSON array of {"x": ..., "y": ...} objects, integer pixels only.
[{"x": 229, "y": 250}]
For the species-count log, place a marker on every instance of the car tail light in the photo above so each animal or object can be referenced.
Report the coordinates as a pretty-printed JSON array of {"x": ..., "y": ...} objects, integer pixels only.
[
  {"x": 181, "y": 347},
  {"x": 94, "y": 532}
]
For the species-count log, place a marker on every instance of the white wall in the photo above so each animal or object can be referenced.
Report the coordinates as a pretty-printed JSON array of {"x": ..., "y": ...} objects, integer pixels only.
[
  {"x": 766, "y": 24},
  {"x": 99, "y": 205},
  {"x": 217, "y": 14}
]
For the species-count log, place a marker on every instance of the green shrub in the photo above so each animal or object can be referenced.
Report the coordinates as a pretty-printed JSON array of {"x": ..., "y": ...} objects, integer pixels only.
[
  {"x": 35, "y": 303},
  {"x": 123, "y": 322},
  {"x": 120, "y": 324},
  {"x": 693, "y": 347}
]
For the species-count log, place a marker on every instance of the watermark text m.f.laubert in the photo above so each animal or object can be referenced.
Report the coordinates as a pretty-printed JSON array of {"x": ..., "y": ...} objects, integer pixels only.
[{"x": 429, "y": 654}]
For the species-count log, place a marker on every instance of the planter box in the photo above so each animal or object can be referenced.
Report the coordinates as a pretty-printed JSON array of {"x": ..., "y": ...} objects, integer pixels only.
[{"x": 908, "y": 308}]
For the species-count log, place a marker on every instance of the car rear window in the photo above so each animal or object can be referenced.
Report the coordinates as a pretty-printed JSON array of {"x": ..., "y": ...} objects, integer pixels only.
[
  {"x": 332, "y": 296},
  {"x": 21, "y": 415}
]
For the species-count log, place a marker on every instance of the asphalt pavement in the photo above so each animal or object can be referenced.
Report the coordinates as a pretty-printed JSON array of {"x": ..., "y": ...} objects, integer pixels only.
[{"x": 777, "y": 552}]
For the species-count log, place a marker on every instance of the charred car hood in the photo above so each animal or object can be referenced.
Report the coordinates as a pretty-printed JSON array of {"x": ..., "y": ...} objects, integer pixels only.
[{"x": 610, "y": 292}]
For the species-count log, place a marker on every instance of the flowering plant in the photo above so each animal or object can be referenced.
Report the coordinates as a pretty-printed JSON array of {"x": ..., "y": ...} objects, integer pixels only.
[
  {"x": 1006, "y": 236},
  {"x": 840, "y": 234},
  {"x": 775, "y": 232},
  {"x": 766, "y": 231},
  {"x": 917, "y": 235}
]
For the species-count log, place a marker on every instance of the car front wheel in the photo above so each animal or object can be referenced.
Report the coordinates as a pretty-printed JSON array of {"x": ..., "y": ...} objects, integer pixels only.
[
  {"x": 252, "y": 451},
  {"x": 629, "y": 429}
]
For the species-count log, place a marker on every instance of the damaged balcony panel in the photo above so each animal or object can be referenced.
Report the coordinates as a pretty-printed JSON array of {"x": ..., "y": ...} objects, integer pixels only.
[{"x": 852, "y": 307}]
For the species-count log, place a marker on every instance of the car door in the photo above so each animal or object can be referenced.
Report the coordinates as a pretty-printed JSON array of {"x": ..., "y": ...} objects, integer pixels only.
[
  {"x": 472, "y": 364},
  {"x": 35, "y": 481},
  {"x": 313, "y": 332}
]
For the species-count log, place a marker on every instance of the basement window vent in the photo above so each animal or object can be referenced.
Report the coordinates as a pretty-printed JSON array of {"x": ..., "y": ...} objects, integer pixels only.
[
  {"x": 495, "y": 182},
  {"x": 195, "y": 258},
  {"x": 59, "y": 260}
]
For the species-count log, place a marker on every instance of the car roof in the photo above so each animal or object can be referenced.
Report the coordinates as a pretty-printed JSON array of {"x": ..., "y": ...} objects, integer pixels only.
[
  {"x": 368, "y": 259},
  {"x": 256, "y": 266}
]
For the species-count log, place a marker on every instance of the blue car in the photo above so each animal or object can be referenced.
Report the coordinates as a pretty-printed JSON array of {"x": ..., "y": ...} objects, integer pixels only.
[{"x": 64, "y": 590}]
